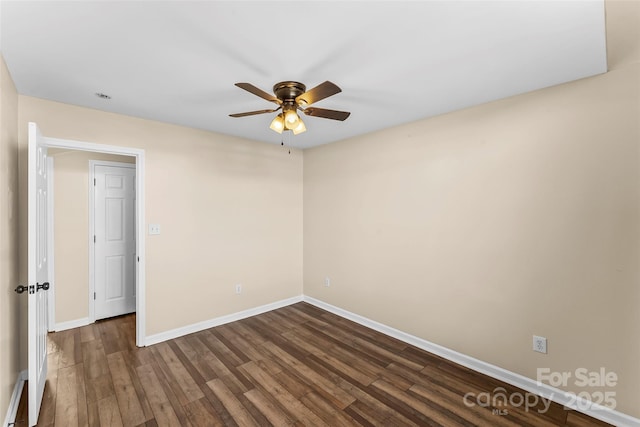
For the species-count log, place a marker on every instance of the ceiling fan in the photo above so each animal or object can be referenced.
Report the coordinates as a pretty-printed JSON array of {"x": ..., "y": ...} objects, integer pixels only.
[{"x": 291, "y": 97}]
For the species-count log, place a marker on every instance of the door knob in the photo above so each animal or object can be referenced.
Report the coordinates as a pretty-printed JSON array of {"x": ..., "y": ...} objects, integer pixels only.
[
  {"x": 20, "y": 289},
  {"x": 44, "y": 286}
]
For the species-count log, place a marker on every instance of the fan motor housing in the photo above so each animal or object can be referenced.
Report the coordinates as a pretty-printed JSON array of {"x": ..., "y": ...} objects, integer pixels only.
[{"x": 288, "y": 90}]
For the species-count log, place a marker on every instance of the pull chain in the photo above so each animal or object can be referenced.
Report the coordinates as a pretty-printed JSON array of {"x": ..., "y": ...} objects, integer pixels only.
[{"x": 288, "y": 141}]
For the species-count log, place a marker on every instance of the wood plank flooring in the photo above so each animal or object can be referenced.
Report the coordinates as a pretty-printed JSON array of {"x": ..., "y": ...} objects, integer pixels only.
[{"x": 295, "y": 366}]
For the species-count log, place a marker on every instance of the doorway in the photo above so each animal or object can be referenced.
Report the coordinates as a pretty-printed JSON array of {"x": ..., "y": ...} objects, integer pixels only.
[{"x": 138, "y": 271}]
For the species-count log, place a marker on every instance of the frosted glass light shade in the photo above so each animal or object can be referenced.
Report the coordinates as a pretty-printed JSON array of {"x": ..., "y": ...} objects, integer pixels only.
[
  {"x": 277, "y": 124},
  {"x": 300, "y": 128},
  {"x": 291, "y": 119}
]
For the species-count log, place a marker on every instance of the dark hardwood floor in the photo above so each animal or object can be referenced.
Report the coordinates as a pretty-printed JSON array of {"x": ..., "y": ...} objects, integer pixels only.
[{"x": 297, "y": 365}]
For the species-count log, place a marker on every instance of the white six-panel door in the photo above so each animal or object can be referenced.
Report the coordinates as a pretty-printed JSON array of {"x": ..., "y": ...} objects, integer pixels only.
[
  {"x": 37, "y": 224},
  {"x": 115, "y": 245}
]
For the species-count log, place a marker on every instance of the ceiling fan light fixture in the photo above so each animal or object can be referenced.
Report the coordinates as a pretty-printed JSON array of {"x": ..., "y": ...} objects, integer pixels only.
[
  {"x": 300, "y": 128},
  {"x": 293, "y": 96},
  {"x": 277, "y": 124}
]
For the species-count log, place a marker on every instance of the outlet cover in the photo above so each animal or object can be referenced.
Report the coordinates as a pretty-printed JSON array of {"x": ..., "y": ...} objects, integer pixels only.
[
  {"x": 238, "y": 288},
  {"x": 540, "y": 344}
]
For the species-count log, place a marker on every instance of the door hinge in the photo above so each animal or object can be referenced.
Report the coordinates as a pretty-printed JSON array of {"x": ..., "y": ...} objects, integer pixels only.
[
  {"x": 94, "y": 182},
  {"x": 94, "y": 295},
  {"x": 94, "y": 238}
]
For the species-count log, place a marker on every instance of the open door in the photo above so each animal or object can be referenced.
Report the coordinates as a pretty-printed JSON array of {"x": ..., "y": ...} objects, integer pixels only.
[{"x": 37, "y": 265}]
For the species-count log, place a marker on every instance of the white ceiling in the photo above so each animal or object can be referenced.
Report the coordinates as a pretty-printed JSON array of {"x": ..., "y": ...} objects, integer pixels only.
[{"x": 396, "y": 61}]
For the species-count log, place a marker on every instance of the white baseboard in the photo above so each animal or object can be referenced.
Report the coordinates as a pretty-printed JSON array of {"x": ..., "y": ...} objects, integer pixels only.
[
  {"x": 15, "y": 398},
  {"x": 556, "y": 395},
  {"x": 212, "y": 323},
  {"x": 63, "y": 326}
]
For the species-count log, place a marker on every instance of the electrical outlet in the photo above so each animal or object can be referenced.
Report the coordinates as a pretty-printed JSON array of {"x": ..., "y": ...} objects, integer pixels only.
[
  {"x": 238, "y": 288},
  {"x": 327, "y": 282},
  {"x": 540, "y": 344}
]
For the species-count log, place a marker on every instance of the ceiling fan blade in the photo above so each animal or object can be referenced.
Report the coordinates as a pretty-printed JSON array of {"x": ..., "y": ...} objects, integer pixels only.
[
  {"x": 327, "y": 114},
  {"x": 322, "y": 91},
  {"x": 259, "y": 92},
  {"x": 253, "y": 113}
]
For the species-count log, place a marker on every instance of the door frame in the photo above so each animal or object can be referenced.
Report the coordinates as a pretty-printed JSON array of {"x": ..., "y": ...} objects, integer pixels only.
[
  {"x": 139, "y": 156},
  {"x": 51, "y": 293},
  {"x": 92, "y": 229}
]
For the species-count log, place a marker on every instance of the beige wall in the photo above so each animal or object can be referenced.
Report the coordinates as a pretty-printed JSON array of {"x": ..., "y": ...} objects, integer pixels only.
[
  {"x": 477, "y": 229},
  {"x": 9, "y": 300},
  {"x": 71, "y": 230},
  {"x": 230, "y": 211}
]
